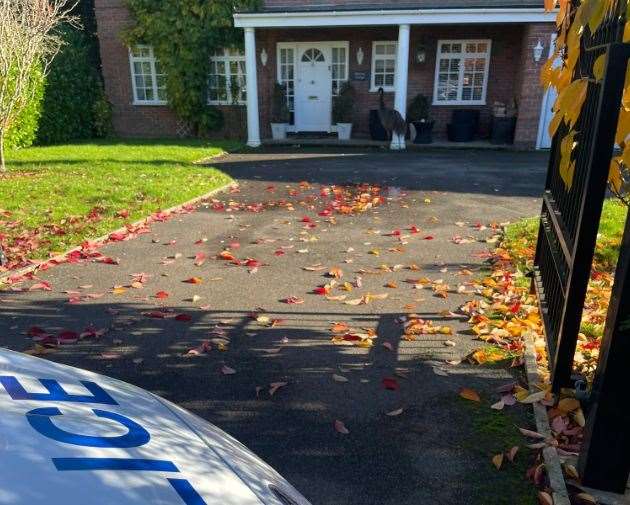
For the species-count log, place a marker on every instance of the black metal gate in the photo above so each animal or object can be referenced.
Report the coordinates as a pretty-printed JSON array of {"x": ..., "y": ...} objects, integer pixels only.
[{"x": 570, "y": 217}]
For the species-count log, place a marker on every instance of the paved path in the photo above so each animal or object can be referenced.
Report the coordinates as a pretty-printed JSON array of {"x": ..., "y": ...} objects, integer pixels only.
[{"x": 417, "y": 457}]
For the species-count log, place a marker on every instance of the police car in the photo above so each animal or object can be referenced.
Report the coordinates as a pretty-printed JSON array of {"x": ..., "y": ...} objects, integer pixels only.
[{"x": 69, "y": 436}]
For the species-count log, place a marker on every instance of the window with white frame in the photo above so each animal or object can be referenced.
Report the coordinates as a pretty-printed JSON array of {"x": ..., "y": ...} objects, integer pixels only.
[
  {"x": 339, "y": 68},
  {"x": 383, "y": 65},
  {"x": 147, "y": 76},
  {"x": 227, "y": 79},
  {"x": 286, "y": 73},
  {"x": 461, "y": 73}
]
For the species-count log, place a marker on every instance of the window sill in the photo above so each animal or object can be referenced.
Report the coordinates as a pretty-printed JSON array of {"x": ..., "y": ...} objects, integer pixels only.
[
  {"x": 389, "y": 89},
  {"x": 226, "y": 104},
  {"x": 147, "y": 102},
  {"x": 460, "y": 102}
]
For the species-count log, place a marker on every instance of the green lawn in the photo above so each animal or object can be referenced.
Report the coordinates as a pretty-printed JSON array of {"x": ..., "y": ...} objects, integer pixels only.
[
  {"x": 520, "y": 237},
  {"x": 51, "y": 190}
]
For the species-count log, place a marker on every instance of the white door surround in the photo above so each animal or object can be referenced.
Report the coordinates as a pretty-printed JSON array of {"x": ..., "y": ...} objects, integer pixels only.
[
  {"x": 309, "y": 79},
  {"x": 313, "y": 87}
]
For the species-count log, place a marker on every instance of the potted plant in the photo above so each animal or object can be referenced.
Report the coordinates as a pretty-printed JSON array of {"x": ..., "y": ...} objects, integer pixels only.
[
  {"x": 418, "y": 115},
  {"x": 279, "y": 112},
  {"x": 343, "y": 111}
]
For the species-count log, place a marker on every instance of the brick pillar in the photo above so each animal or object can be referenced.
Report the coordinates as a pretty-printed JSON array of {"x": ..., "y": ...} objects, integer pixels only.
[{"x": 529, "y": 92}]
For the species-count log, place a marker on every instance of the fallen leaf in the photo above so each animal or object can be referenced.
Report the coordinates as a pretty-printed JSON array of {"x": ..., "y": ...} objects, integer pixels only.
[
  {"x": 511, "y": 454},
  {"x": 194, "y": 280},
  {"x": 161, "y": 295},
  {"x": 394, "y": 413},
  {"x": 544, "y": 498},
  {"x": 274, "y": 386},
  {"x": 391, "y": 384},
  {"x": 293, "y": 300},
  {"x": 470, "y": 394},
  {"x": 340, "y": 427},
  {"x": 339, "y": 378},
  {"x": 497, "y": 461},
  {"x": 226, "y": 370}
]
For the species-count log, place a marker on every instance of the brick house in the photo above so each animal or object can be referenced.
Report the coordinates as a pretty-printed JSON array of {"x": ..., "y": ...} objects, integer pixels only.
[{"x": 459, "y": 53}]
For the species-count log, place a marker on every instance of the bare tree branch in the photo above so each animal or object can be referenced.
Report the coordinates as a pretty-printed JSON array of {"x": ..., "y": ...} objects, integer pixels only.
[{"x": 29, "y": 39}]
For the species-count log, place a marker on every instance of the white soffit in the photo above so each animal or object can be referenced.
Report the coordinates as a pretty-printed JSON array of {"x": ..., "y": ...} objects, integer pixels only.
[{"x": 392, "y": 17}]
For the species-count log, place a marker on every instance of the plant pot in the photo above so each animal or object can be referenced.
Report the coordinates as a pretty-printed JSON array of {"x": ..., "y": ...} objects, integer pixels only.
[
  {"x": 503, "y": 130},
  {"x": 344, "y": 131},
  {"x": 377, "y": 132},
  {"x": 424, "y": 132},
  {"x": 279, "y": 131}
]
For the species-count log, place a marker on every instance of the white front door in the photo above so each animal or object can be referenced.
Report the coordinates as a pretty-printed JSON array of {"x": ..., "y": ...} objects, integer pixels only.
[
  {"x": 313, "y": 90},
  {"x": 546, "y": 113}
]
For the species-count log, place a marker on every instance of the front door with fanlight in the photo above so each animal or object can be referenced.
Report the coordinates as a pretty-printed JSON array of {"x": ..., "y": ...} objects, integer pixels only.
[{"x": 313, "y": 91}]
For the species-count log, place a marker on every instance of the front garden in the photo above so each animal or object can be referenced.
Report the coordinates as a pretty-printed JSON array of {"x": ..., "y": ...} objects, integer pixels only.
[{"x": 54, "y": 197}]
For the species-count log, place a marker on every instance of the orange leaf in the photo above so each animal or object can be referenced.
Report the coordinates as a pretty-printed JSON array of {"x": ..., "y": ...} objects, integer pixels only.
[
  {"x": 194, "y": 280},
  {"x": 161, "y": 295},
  {"x": 470, "y": 394}
]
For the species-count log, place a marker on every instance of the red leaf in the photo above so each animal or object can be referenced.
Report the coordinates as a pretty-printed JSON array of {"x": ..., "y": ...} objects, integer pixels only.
[
  {"x": 118, "y": 236},
  {"x": 183, "y": 317},
  {"x": 200, "y": 258},
  {"x": 414, "y": 229},
  {"x": 428, "y": 237},
  {"x": 124, "y": 213},
  {"x": 252, "y": 263},
  {"x": 279, "y": 252},
  {"x": 293, "y": 300},
  {"x": 42, "y": 285},
  {"x": 161, "y": 295},
  {"x": 391, "y": 384},
  {"x": 68, "y": 337}
]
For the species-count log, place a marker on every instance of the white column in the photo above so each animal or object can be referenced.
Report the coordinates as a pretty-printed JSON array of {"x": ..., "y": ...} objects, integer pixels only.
[
  {"x": 400, "y": 82},
  {"x": 253, "y": 120}
]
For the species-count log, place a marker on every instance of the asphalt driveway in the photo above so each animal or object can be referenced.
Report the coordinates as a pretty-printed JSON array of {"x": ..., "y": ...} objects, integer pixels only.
[{"x": 420, "y": 456}]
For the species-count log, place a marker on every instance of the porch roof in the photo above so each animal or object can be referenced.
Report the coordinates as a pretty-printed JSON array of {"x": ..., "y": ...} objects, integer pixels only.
[
  {"x": 326, "y": 5},
  {"x": 449, "y": 12}
]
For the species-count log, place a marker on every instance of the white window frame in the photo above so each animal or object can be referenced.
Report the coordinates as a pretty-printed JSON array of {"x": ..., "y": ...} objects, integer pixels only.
[
  {"x": 463, "y": 55},
  {"x": 228, "y": 58},
  {"x": 144, "y": 59},
  {"x": 279, "y": 47},
  {"x": 373, "y": 86}
]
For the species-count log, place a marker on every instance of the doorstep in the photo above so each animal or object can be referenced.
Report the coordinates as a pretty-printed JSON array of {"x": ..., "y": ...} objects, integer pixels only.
[{"x": 331, "y": 141}]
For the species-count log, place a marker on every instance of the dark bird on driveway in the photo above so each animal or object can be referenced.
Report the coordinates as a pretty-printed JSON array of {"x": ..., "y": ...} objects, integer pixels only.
[{"x": 391, "y": 119}]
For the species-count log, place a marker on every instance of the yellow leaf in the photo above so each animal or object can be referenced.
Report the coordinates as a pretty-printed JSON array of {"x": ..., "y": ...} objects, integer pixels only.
[
  {"x": 599, "y": 66},
  {"x": 497, "y": 461},
  {"x": 568, "y": 405},
  {"x": 470, "y": 394},
  {"x": 614, "y": 175},
  {"x": 550, "y": 4}
]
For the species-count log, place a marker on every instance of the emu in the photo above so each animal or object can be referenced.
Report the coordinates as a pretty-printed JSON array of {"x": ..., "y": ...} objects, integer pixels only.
[{"x": 391, "y": 119}]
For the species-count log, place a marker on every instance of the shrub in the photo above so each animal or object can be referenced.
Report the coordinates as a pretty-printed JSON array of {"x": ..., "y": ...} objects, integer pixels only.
[
  {"x": 74, "y": 93},
  {"x": 24, "y": 129},
  {"x": 418, "y": 109},
  {"x": 343, "y": 104}
]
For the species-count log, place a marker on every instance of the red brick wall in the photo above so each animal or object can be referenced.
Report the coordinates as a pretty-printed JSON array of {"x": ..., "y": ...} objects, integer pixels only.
[
  {"x": 504, "y": 64},
  {"x": 530, "y": 92},
  {"x": 139, "y": 120}
]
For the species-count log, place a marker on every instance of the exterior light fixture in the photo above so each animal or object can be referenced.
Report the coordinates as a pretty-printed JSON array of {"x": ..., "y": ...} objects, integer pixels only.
[
  {"x": 538, "y": 51},
  {"x": 421, "y": 54},
  {"x": 360, "y": 56},
  {"x": 264, "y": 57}
]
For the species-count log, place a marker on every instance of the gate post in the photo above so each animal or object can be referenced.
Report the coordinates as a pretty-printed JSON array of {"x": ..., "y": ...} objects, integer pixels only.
[{"x": 604, "y": 459}]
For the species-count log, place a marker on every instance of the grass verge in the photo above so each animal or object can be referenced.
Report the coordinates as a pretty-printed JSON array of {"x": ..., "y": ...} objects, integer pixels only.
[{"x": 54, "y": 197}]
